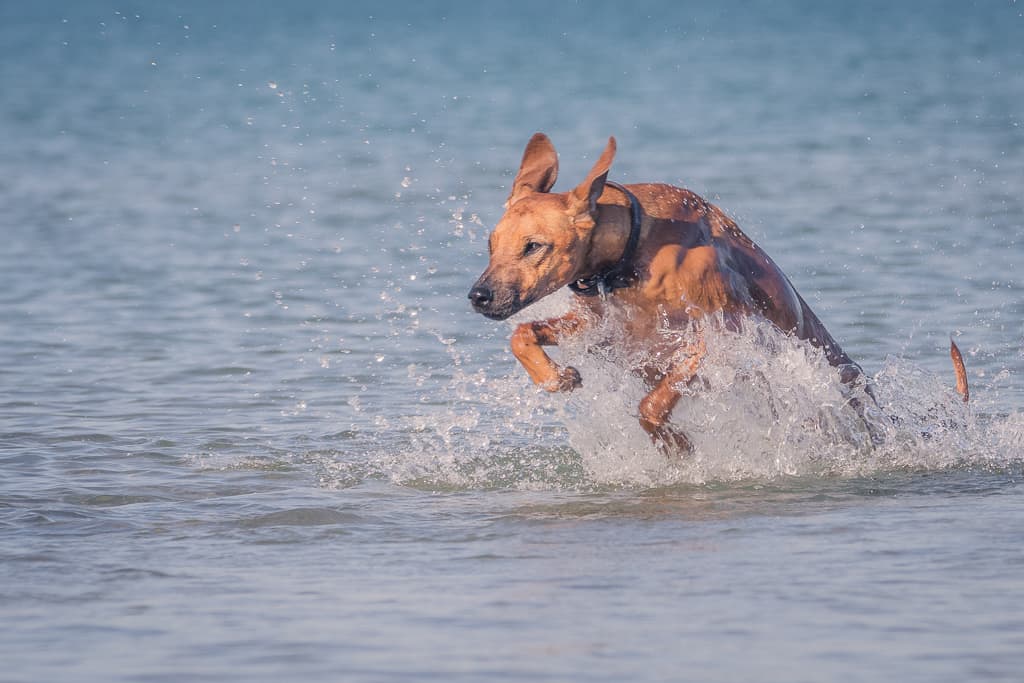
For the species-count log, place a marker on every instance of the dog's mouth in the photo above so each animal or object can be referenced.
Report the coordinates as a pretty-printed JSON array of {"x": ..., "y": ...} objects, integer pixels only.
[
  {"x": 497, "y": 305},
  {"x": 496, "y": 315},
  {"x": 502, "y": 312}
]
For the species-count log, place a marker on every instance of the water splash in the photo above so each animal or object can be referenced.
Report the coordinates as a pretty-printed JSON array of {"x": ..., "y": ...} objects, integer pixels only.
[{"x": 768, "y": 407}]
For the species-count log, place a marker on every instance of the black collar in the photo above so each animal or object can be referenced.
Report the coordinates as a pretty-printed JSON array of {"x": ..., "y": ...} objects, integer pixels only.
[{"x": 622, "y": 273}]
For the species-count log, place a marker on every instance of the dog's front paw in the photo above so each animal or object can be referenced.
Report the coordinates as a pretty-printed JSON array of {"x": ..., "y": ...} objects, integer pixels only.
[
  {"x": 568, "y": 379},
  {"x": 669, "y": 441}
]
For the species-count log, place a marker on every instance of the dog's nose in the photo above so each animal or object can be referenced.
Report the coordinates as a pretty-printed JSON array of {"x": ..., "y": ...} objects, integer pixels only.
[{"x": 481, "y": 297}]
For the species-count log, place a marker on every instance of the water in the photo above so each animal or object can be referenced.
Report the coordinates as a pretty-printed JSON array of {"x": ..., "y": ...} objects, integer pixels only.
[{"x": 250, "y": 429}]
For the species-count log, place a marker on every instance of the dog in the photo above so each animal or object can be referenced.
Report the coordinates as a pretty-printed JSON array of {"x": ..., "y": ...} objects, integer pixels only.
[{"x": 666, "y": 256}]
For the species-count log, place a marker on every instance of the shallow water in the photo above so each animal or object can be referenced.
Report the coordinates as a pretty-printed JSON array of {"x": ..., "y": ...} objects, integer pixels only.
[{"x": 251, "y": 430}]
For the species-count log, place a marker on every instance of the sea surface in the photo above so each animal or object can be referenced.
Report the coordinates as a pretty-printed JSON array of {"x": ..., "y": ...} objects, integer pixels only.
[{"x": 250, "y": 429}]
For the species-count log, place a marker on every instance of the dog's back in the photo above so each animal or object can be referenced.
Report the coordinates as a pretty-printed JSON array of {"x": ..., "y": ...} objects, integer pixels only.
[{"x": 699, "y": 261}]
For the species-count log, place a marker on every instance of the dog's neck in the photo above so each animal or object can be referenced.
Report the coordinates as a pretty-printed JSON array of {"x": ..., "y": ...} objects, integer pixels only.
[
  {"x": 609, "y": 263},
  {"x": 609, "y": 238}
]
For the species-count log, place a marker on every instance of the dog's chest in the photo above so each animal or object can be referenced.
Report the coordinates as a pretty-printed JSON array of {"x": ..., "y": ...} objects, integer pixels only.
[{"x": 647, "y": 333}]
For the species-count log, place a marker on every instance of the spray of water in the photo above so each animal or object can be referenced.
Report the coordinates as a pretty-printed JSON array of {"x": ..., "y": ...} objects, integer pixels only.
[{"x": 768, "y": 406}]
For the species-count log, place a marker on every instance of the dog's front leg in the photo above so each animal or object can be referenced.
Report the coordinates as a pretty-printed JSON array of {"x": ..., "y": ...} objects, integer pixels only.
[
  {"x": 526, "y": 347},
  {"x": 656, "y": 407}
]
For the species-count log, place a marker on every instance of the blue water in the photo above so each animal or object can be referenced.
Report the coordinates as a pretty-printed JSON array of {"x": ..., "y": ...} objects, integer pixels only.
[{"x": 250, "y": 429}]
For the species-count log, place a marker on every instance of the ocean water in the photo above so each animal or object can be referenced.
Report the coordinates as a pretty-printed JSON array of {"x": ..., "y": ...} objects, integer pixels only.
[{"x": 251, "y": 431}]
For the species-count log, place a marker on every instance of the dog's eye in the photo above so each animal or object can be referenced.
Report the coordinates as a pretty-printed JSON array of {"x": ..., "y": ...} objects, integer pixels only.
[{"x": 532, "y": 248}]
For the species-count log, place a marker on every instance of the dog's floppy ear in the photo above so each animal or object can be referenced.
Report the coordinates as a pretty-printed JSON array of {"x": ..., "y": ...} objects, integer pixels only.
[
  {"x": 583, "y": 199},
  {"x": 538, "y": 170}
]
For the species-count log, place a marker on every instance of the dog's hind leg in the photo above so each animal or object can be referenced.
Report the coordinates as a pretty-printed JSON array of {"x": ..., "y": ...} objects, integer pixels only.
[
  {"x": 657, "y": 406},
  {"x": 854, "y": 379},
  {"x": 527, "y": 341}
]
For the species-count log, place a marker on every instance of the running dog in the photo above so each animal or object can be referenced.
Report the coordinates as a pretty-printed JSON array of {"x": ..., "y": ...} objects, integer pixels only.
[{"x": 661, "y": 253}]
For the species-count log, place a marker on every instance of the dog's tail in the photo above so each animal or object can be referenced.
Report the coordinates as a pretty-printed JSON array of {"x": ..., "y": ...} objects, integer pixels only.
[{"x": 960, "y": 370}]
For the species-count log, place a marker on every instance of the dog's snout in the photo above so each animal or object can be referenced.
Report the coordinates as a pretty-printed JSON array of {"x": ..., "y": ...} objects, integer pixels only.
[{"x": 481, "y": 297}]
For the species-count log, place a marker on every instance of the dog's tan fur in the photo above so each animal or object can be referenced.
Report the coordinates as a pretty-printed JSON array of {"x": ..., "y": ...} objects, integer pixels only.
[{"x": 692, "y": 261}]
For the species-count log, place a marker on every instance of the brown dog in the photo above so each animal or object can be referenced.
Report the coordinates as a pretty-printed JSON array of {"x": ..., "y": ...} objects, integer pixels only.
[{"x": 662, "y": 253}]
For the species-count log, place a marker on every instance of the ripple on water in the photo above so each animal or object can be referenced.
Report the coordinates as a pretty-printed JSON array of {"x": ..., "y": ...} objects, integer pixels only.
[{"x": 302, "y": 517}]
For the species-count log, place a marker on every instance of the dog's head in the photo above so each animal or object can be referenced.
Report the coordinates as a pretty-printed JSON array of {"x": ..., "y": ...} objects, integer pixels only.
[{"x": 542, "y": 241}]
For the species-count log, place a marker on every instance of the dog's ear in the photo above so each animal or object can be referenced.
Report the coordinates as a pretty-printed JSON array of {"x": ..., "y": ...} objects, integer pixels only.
[
  {"x": 538, "y": 170},
  {"x": 583, "y": 199}
]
